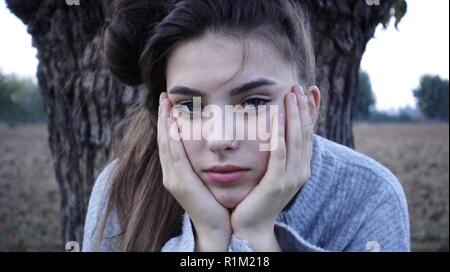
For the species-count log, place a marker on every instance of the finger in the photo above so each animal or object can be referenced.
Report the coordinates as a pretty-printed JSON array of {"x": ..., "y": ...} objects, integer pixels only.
[
  {"x": 300, "y": 91},
  {"x": 305, "y": 117},
  {"x": 182, "y": 166},
  {"x": 307, "y": 133},
  {"x": 293, "y": 131},
  {"x": 162, "y": 134},
  {"x": 277, "y": 160},
  {"x": 303, "y": 105},
  {"x": 177, "y": 151},
  {"x": 162, "y": 95},
  {"x": 175, "y": 146}
]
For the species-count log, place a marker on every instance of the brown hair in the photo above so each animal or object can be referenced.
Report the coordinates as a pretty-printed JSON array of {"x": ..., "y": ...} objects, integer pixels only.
[{"x": 138, "y": 40}]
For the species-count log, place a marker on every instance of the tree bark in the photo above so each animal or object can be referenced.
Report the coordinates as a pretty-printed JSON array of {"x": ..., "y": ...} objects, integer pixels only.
[
  {"x": 83, "y": 102},
  {"x": 341, "y": 31}
]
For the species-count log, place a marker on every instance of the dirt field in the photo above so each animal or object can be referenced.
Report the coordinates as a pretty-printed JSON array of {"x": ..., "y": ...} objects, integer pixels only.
[
  {"x": 417, "y": 154},
  {"x": 29, "y": 198}
]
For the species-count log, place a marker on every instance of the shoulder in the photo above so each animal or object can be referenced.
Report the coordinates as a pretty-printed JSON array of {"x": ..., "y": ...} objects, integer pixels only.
[
  {"x": 101, "y": 185},
  {"x": 96, "y": 210},
  {"x": 357, "y": 179},
  {"x": 348, "y": 196},
  {"x": 350, "y": 166},
  {"x": 100, "y": 189}
]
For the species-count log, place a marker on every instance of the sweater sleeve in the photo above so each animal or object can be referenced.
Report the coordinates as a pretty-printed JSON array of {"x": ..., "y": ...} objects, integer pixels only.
[
  {"x": 185, "y": 242},
  {"x": 95, "y": 213},
  {"x": 289, "y": 240},
  {"x": 386, "y": 227}
]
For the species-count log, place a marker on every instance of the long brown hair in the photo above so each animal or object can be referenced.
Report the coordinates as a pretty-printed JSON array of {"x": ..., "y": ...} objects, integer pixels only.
[{"x": 138, "y": 40}]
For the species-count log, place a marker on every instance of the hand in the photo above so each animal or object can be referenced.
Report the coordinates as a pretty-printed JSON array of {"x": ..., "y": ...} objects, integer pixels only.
[
  {"x": 211, "y": 220},
  {"x": 288, "y": 169}
]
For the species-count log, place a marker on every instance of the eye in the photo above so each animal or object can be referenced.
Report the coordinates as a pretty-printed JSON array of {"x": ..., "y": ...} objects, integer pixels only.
[
  {"x": 189, "y": 106},
  {"x": 255, "y": 102}
]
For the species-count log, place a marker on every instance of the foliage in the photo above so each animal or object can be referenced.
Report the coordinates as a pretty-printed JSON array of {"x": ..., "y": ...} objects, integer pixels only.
[
  {"x": 365, "y": 101},
  {"x": 432, "y": 97},
  {"x": 20, "y": 100}
]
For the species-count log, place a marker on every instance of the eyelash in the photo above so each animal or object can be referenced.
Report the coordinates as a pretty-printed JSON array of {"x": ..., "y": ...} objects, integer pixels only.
[{"x": 264, "y": 102}]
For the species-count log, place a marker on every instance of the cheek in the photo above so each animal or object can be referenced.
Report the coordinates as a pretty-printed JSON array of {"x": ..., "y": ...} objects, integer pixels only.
[{"x": 256, "y": 159}]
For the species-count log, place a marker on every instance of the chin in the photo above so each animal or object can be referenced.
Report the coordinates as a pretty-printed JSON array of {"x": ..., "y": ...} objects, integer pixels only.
[
  {"x": 228, "y": 200},
  {"x": 229, "y": 204}
]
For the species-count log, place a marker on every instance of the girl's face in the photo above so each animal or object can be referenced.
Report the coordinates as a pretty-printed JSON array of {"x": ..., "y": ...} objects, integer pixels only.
[{"x": 210, "y": 66}]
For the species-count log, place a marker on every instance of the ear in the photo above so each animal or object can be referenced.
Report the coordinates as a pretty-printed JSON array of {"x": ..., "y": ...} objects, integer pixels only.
[{"x": 315, "y": 103}]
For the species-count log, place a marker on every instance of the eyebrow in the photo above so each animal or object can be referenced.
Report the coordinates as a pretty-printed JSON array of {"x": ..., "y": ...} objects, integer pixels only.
[{"x": 243, "y": 88}]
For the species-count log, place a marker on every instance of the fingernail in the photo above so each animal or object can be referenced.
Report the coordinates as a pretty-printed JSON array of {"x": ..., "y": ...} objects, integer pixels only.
[
  {"x": 160, "y": 97},
  {"x": 293, "y": 98},
  {"x": 162, "y": 104}
]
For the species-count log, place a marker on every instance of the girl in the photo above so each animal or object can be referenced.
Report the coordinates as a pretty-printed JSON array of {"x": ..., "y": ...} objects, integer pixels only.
[{"x": 164, "y": 191}]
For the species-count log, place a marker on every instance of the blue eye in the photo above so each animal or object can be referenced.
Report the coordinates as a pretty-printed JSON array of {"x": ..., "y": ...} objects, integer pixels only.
[
  {"x": 191, "y": 106},
  {"x": 255, "y": 102}
]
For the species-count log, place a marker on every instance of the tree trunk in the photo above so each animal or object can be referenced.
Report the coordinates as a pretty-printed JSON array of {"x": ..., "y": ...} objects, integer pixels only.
[
  {"x": 83, "y": 102},
  {"x": 341, "y": 31}
]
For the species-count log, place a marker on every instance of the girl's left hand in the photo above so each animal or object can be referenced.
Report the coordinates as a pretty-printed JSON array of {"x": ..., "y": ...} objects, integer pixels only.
[{"x": 288, "y": 169}]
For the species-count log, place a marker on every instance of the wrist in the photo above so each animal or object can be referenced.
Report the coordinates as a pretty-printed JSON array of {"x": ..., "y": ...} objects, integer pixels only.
[
  {"x": 212, "y": 241},
  {"x": 260, "y": 240}
]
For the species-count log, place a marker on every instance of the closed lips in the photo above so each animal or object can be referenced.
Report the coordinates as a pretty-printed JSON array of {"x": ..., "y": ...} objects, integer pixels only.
[{"x": 226, "y": 174}]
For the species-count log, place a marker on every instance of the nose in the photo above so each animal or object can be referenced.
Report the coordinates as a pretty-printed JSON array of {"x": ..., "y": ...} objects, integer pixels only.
[
  {"x": 221, "y": 140},
  {"x": 221, "y": 145}
]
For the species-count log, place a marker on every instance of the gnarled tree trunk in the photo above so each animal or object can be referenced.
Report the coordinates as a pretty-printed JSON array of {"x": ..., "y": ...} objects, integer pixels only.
[
  {"x": 341, "y": 31},
  {"x": 83, "y": 102}
]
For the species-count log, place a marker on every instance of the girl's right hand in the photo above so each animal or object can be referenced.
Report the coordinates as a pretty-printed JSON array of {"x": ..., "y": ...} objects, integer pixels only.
[{"x": 211, "y": 220}]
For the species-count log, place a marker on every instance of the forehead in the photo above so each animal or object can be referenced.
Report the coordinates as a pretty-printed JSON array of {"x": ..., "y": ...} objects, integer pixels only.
[{"x": 216, "y": 60}]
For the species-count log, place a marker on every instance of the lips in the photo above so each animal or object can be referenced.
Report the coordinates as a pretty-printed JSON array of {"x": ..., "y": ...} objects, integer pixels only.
[{"x": 226, "y": 174}]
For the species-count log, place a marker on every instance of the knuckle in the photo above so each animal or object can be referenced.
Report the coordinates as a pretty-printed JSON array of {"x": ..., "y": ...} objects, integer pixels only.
[
  {"x": 276, "y": 191},
  {"x": 176, "y": 156},
  {"x": 285, "y": 188}
]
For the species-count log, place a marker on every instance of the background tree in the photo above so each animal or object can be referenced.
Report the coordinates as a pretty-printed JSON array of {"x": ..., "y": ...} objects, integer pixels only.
[
  {"x": 432, "y": 97},
  {"x": 20, "y": 100},
  {"x": 83, "y": 101},
  {"x": 365, "y": 101}
]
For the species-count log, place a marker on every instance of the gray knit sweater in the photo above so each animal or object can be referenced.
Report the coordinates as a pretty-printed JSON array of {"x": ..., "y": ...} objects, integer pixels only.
[{"x": 350, "y": 203}]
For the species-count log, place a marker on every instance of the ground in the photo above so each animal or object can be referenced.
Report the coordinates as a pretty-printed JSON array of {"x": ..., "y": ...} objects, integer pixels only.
[{"x": 417, "y": 154}]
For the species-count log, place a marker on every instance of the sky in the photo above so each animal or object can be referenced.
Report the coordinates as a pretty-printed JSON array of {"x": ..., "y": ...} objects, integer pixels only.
[{"x": 395, "y": 59}]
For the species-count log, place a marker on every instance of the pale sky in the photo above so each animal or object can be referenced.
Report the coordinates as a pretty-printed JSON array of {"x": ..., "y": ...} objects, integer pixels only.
[{"x": 395, "y": 60}]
